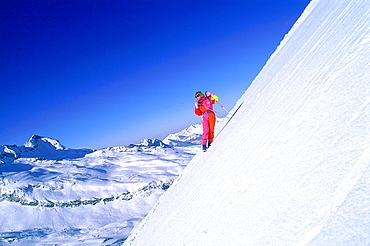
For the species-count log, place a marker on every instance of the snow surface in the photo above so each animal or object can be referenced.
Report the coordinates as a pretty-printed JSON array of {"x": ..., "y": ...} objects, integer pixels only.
[
  {"x": 291, "y": 167},
  {"x": 52, "y": 195}
]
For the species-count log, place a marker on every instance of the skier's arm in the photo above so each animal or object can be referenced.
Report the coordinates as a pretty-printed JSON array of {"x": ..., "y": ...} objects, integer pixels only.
[
  {"x": 197, "y": 111},
  {"x": 213, "y": 96}
]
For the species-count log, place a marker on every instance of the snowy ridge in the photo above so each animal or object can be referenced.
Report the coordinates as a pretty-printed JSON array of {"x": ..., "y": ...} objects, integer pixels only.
[
  {"x": 292, "y": 164},
  {"x": 19, "y": 196}
]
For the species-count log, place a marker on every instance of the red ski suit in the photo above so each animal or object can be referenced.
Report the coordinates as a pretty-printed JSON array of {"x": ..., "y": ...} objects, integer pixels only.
[{"x": 205, "y": 109}]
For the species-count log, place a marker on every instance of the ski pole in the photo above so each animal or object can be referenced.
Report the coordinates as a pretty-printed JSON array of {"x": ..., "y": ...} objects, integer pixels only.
[
  {"x": 216, "y": 112},
  {"x": 223, "y": 107},
  {"x": 219, "y": 113}
]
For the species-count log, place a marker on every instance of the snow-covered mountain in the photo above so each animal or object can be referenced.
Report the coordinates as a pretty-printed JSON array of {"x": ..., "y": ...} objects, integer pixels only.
[
  {"x": 188, "y": 136},
  {"x": 40, "y": 147},
  {"x": 53, "y": 195},
  {"x": 42, "y": 143},
  {"x": 292, "y": 166}
]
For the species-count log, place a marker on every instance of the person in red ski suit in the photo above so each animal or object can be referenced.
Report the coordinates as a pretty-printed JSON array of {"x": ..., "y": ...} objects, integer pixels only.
[{"x": 204, "y": 108}]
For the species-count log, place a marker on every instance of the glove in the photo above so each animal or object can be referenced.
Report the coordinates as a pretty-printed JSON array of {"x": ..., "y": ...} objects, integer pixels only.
[
  {"x": 209, "y": 93},
  {"x": 196, "y": 104},
  {"x": 214, "y": 98}
]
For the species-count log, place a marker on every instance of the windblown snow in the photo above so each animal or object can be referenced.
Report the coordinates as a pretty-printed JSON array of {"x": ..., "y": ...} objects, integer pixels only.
[{"x": 291, "y": 164}]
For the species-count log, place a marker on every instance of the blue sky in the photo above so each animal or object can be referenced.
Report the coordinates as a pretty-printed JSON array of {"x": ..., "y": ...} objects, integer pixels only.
[{"x": 103, "y": 73}]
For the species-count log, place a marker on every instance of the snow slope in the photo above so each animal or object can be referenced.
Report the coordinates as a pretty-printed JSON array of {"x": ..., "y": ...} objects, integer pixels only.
[
  {"x": 291, "y": 167},
  {"x": 52, "y": 195}
]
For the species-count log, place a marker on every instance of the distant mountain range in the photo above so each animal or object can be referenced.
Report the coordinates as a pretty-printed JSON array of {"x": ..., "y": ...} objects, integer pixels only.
[{"x": 49, "y": 148}]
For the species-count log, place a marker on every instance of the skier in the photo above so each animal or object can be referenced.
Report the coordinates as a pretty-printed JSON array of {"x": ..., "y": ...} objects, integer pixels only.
[{"x": 204, "y": 108}]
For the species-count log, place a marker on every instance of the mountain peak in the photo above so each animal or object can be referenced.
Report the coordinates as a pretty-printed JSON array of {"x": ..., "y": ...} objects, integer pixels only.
[
  {"x": 37, "y": 141},
  {"x": 150, "y": 143}
]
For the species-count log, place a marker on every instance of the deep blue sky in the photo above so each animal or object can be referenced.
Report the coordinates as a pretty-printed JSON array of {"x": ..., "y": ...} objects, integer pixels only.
[{"x": 103, "y": 73}]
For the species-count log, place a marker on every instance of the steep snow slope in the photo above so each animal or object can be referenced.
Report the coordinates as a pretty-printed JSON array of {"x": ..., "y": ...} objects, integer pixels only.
[{"x": 292, "y": 165}]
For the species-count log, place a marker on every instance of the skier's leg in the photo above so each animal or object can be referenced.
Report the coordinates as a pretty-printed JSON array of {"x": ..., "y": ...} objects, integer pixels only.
[
  {"x": 205, "y": 124},
  {"x": 212, "y": 123}
]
